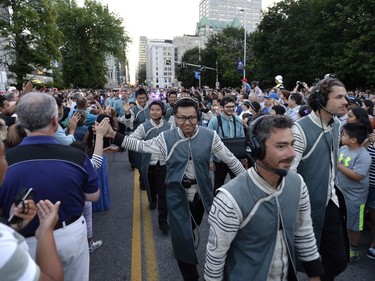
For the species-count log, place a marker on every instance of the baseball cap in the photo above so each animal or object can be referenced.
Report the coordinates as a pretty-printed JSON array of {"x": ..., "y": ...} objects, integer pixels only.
[
  {"x": 279, "y": 78},
  {"x": 272, "y": 96},
  {"x": 355, "y": 100},
  {"x": 247, "y": 103},
  {"x": 243, "y": 80}
]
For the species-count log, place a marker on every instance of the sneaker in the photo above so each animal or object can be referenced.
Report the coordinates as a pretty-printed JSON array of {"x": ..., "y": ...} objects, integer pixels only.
[
  {"x": 371, "y": 253},
  {"x": 354, "y": 256},
  {"x": 95, "y": 245}
]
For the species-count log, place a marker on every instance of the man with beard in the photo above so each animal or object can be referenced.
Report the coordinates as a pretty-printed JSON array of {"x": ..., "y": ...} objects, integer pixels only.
[{"x": 260, "y": 221}]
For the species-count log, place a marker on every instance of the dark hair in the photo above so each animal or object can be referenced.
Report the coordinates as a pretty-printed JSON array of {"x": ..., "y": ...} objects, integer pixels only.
[
  {"x": 356, "y": 130},
  {"x": 296, "y": 97},
  {"x": 59, "y": 101},
  {"x": 370, "y": 106},
  {"x": 172, "y": 93},
  {"x": 362, "y": 117},
  {"x": 322, "y": 90},
  {"x": 140, "y": 91},
  {"x": 226, "y": 99},
  {"x": 159, "y": 103},
  {"x": 185, "y": 102},
  {"x": 269, "y": 123},
  {"x": 279, "y": 109},
  {"x": 2, "y": 99}
]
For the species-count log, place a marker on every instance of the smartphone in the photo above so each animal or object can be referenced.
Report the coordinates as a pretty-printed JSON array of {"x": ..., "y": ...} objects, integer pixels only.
[{"x": 23, "y": 195}]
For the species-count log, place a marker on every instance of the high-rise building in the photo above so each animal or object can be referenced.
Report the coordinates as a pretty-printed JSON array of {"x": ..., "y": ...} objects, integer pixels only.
[
  {"x": 185, "y": 43},
  {"x": 142, "y": 51},
  {"x": 160, "y": 63},
  {"x": 215, "y": 15}
]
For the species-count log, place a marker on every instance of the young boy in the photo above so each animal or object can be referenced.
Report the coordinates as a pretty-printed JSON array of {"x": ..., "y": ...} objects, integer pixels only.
[{"x": 353, "y": 181}]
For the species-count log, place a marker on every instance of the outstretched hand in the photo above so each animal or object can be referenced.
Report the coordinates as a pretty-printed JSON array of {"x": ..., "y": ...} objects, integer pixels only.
[
  {"x": 47, "y": 213},
  {"x": 102, "y": 128}
]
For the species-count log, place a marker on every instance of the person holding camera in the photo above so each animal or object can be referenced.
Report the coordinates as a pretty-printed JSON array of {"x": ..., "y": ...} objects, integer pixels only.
[
  {"x": 187, "y": 150},
  {"x": 260, "y": 221}
]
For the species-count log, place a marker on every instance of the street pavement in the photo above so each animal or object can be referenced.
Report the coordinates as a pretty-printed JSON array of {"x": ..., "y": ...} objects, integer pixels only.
[{"x": 135, "y": 249}]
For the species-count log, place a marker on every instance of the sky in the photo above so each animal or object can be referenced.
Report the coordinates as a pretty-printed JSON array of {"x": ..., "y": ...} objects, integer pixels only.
[{"x": 157, "y": 19}]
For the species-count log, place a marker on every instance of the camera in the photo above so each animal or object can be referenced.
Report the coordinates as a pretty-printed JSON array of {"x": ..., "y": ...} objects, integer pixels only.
[{"x": 23, "y": 195}]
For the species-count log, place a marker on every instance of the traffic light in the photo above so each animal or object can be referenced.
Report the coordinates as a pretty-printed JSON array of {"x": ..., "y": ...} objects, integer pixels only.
[
  {"x": 183, "y": 65},
  {"x": 203, "y": 68}
]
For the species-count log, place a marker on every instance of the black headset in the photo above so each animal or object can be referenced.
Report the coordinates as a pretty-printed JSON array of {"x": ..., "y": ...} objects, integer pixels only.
[
  {"x": 253, "y": 141},
  {"x": 159, "y": 103},
  {"x": 319, "y": 98},
  {"x": 188, "y": 102}
]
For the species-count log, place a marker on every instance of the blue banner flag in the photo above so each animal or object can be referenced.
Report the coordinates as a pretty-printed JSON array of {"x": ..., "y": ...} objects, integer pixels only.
[
  {"x": 197, "y": 75},
  {"x": 240, "y": 66}
]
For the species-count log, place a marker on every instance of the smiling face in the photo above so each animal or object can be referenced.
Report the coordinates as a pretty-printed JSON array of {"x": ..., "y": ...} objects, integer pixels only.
[
  {"x": 228, "y": 108},
  {"x": 187, "y": 120},
  {"x": 141, "y": 100}
]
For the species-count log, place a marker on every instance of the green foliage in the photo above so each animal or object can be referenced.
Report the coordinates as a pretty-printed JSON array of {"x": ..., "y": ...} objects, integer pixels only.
[
  {"x": 305, "y": 39},
  {"x": 90, "y": 33},
  {"x": 142, "y": 74},
  {"x": 32, "y": 38},
  {"x": 186, "y": 75},
  {"x": 225, "y": 47}
]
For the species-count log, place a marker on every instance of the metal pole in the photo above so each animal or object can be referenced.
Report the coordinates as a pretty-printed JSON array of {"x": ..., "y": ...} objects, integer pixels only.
[
  {"x": 244, "y": 45},
  {"x": 217, "y": 75}
]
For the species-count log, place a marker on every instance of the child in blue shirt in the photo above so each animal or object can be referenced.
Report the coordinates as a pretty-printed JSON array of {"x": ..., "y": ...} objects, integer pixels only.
[{"x": 353, "y": 180}]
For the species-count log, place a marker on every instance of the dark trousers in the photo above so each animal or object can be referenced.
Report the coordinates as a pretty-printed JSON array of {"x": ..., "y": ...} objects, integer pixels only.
[
  {"x": 156, "y": 180},
  {"x": 221, "y": 171},
  {"x": 333, "y": 248},
  {"x": 189, "y": 271}
]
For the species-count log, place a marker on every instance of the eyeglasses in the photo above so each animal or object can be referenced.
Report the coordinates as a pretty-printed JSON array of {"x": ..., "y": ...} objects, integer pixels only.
[{"x": 183, "y": 119}]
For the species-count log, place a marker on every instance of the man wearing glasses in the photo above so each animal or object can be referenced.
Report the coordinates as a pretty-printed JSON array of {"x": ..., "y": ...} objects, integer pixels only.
[
  {"x": 226, "y": 125},
  {"x": 187, "y": 150}
]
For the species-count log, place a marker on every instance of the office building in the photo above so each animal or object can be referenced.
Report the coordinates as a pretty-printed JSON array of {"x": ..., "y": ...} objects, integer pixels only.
[{"x": 215, "y": 15}]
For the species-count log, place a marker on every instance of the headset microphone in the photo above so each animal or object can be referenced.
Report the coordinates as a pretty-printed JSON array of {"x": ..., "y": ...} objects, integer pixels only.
[
  {"x": 280, "y": 172},
  {"x": 327, "y": 110}
]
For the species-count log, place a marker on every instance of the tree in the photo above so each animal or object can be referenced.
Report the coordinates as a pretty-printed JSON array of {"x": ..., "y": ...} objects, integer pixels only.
[
  {"x": 305, "y": 39},
  {"x": 31, "y": 38},
  {"x": 90, "y": 33},
  {"x": 186, "y": 75},
  {"x": 142, "y": 74},
  {"x": 226, "y": 47}
]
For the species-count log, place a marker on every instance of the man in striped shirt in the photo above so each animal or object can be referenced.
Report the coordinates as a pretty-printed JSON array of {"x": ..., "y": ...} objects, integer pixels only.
[
  {"x": 260, "y": 221},
  {"x": 316, "y": 145}
]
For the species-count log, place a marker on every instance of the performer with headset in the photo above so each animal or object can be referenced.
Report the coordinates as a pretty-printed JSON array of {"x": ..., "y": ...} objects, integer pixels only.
[
  {"x": 316, "y": 145},
  {"x": 187, "y": 150},
  {"x": 260, "y": 221},
  {"x": 152, "y": 169}
]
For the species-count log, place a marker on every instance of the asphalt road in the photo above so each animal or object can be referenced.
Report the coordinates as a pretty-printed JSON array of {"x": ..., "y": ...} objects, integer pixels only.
[{"x": 134, "y": 248}]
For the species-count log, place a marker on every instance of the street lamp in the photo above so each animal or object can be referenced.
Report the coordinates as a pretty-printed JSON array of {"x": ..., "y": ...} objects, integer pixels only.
[{"x": 244, "y": 44}]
